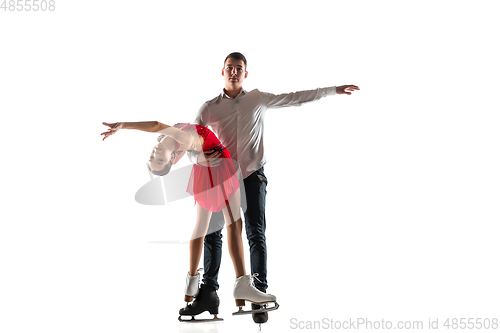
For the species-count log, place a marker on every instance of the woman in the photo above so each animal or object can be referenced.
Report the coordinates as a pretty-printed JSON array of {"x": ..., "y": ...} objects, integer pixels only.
[{"x": 214, "y": 189}]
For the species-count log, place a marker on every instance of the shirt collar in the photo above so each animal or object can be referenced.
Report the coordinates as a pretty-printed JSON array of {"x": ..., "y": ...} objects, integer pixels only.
[{"x": 242, "y": 93}]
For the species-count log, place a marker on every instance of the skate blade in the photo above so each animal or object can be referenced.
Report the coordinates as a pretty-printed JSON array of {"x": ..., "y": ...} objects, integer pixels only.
[
  {"x": 194, "y": 320},
  {"x": 243, "y": 312}
]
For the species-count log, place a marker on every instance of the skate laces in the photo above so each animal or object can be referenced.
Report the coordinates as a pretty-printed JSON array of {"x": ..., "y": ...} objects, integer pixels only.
[{"x": 254, "y": 276}]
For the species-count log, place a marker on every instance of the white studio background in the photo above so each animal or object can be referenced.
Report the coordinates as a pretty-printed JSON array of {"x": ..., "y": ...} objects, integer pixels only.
[{"x": 381, "y": 205}]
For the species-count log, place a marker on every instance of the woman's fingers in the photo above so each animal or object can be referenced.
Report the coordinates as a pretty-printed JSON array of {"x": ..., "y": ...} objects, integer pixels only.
[
  {"x": 111, "y": 125},
  {"x": 108, "y": 133},
  {"x": 111, "y": 130}
]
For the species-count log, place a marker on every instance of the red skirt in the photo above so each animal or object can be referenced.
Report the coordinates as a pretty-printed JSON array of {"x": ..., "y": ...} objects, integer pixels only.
[{"x": 213, "y": 187}]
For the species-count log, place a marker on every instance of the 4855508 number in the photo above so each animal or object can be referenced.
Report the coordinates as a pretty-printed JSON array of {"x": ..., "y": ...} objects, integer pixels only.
[
  {"x": 28, "y": 5},
  {"x": 471, "y": 323}
]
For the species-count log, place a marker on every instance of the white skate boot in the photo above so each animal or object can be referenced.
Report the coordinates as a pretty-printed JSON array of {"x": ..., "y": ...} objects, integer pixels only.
[
  {"x": 244, "y": 290},
  {"x": 192, "y": 286}
]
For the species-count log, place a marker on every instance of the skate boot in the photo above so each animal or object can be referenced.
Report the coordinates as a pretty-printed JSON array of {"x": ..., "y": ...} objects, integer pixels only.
[
  {"x": 192, "y": 286},
  {"x": 244, "y": 290},
  {"x": 207, "y": 300},
  {"x": 260, "y": 317}
]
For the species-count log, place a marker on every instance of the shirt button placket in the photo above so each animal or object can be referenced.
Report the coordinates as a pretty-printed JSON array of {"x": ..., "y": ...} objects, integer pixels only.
[{"x": 237, "y": 128}]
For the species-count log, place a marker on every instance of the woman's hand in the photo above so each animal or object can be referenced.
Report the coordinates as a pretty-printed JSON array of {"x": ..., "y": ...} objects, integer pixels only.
[{"x": 113, "y": 128}]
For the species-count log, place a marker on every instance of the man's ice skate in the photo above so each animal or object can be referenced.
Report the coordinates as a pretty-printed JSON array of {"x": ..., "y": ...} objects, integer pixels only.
[
  {"x": 260, "y": 317},
  {"x": 207, "y": 300},
  {"x": 244, "y": 290}
]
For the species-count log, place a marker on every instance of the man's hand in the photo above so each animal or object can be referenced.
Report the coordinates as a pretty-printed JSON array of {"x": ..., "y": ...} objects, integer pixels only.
[
  {"x": 345, "y": 89},
  {"x": 209, "y": 158}
]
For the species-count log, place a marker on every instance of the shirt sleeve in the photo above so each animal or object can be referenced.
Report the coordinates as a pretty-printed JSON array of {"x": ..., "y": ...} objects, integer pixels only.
[
  {"x": 296, "y": 98},
  {"x": 202, "y": 116}
]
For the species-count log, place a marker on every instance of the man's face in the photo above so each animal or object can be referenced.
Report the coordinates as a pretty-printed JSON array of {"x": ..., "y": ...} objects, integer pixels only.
[{"x": 234, "y": 73}]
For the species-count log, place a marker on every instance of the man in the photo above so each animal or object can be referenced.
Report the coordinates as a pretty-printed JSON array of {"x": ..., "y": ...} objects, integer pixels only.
[{"x": 237, "y": 118}]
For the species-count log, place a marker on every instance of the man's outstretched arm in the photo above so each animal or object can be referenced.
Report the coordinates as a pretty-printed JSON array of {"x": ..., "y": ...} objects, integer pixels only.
[{"x": 300, "y": 97}]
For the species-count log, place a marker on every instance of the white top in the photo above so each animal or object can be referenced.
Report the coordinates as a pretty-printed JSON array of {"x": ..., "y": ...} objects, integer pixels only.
[{"x": 239, "y": 122}]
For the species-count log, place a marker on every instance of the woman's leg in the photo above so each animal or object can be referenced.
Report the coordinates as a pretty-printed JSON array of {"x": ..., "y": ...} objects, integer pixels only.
[
  {"x": 234, "y": 226},
  {"x": 196, "y": 243}
]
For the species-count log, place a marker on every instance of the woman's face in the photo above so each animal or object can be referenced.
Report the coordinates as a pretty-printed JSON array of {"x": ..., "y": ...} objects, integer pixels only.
[{"x": 162, "y": 153}]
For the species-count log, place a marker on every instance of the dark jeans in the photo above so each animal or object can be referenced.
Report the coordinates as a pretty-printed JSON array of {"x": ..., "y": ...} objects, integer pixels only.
[{"x": 255, "y": 226}]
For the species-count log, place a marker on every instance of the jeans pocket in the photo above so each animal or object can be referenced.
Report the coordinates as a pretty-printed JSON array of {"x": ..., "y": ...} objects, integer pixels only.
[{"x": 262, "y": 177}]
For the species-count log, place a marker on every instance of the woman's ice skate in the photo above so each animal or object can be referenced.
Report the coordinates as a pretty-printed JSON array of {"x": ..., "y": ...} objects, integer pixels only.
[
  {"x": 192, "y": 286},
  {"x": 244, "y": 290}
]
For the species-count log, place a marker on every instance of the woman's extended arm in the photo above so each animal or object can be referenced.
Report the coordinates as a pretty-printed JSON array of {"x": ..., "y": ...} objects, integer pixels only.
[
  {"x": 146, "y": 126},
  {"x": 155, "y": 126},
  {"x": 151, "y": 126}
]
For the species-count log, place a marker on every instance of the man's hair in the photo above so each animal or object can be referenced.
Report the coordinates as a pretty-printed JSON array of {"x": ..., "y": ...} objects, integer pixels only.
[
  {"x": 162, "y": 172},
  {"x": 236, "y": 56}
]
